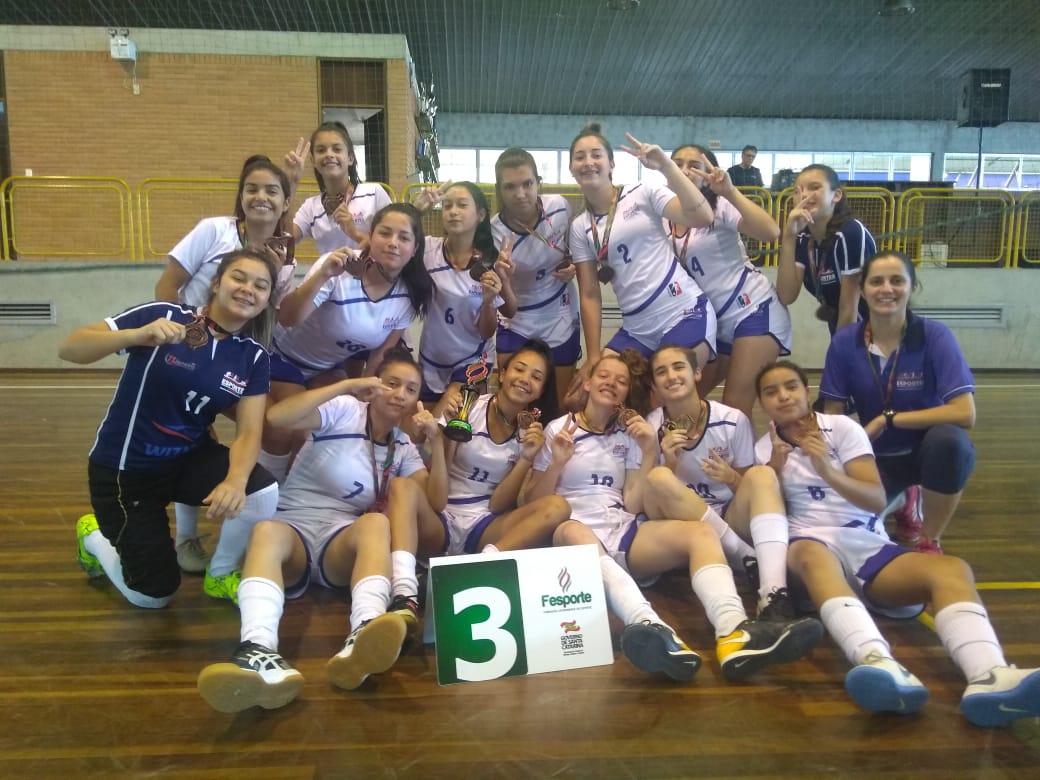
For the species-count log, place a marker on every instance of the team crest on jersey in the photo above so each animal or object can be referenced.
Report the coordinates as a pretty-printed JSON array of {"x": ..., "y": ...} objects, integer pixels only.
[
  {"x": 565, "y": 299},
  {"x": 674, "y": 289},
  {"x": 233, "y": 384},
  {"x": 172, "y": 360},
  {"x": 630, "y": 212},
  {"x": 910, "y": 380},
  {"x": 393, "y": 323},
  {"x": 828, "y": 277},
  {"x": 743, "y": 300},
  {"x": 620, "y": 451}
]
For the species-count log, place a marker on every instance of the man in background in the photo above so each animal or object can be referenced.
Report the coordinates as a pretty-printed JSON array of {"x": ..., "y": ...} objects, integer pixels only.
[{"x": 746, "y": 174}]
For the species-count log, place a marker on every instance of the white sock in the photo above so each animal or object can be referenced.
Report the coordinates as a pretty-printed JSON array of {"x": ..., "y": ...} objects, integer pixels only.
[
  {"x": 403, "y": 579},
  {"x": 260, "y": 602},
  {"x": 769, "y": 533},
  {"x": 368, "y": 599},
  {"x": 187, "y": 521},
  {"x": 277, "y": 465},
  {"x": 969, "y": 638},
  {"x": 735, "y": 548},
  {"x": 97, "y": 545},
  {"x": 714, "y": 586},
  {"x": 853, "y": 629},
  {"x": 624, "y": 597},
  {"x": 235, "y": 531},
  {"x": 490, "y": 549}
]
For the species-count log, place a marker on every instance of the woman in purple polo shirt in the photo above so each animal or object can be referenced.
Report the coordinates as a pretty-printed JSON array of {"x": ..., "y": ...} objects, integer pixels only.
[{"x": 914, "y": 393}]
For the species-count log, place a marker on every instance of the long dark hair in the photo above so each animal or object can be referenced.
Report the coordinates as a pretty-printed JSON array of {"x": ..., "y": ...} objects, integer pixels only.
[
  {"x": 414, "y": 274},
  {"x": 709, "y": 195},
  {"x": 352, "y": 170},
  {"x": 842, "y": 209},
  {"x": 259, "y": 162},
  {"x": 547, "y": 401},
  {"x": 788, "y": 364},
  {"x": 261, "y": 326},
  {"x": 483, "y": 240},
  {"x": 908, "y": 266}
]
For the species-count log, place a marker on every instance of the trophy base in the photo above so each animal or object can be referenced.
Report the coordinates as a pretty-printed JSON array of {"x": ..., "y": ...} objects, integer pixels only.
[{"x": 458, "y": 430}]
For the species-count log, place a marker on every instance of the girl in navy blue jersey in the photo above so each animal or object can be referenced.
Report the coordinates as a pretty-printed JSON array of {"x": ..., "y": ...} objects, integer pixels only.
[
  {"x": 914, "y": 394},
  {"x": 184, "y": 367}
]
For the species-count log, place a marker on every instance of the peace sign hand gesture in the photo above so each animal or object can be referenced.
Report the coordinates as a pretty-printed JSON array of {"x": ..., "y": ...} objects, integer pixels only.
[
  {"x": 428, "y": 197},
  {"x": 716, "y": 179},
  {"x": 294, "y": 161},
  {"x": 562, "y": 444},
  {"x": 651, "y": 156}
]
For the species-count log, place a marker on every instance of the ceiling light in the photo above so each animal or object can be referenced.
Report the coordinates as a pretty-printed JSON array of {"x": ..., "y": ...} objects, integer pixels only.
[{"x": 896, "y": 8}]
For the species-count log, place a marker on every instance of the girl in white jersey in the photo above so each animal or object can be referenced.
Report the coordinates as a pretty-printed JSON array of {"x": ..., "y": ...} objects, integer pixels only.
[
  {"x": 841, "y": 552},
  {"x": 261, "y": 205},
  {"x": 349, "y": 301},
  {"x": 546, "y": 296},
  {"x": 470, "y": 502},
  {"x": 754, "y": 328},
  {"x": 331, "y": 530},
  {"x": 473, "y": 279},
  {"x": 599, "y": 463},
  {"x": 620, "y": 236},
  {"x": 708, "y": 473}
]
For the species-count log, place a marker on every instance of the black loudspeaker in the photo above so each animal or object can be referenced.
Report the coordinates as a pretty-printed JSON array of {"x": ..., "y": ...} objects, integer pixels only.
[{"x": 984, "y": 97}]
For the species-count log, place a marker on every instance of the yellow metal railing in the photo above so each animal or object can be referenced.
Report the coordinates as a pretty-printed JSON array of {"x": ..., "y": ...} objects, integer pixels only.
[
  {"x": 56, "y": 216},
  {"x": 85, "y": 217}
]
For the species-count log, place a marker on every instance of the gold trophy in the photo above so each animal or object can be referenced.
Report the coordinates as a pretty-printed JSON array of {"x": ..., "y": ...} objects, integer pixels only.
[{"x": 458, "y": 427}]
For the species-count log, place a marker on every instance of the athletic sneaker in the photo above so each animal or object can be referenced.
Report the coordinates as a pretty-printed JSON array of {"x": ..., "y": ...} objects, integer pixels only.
[
  {"x": 928, "y": 546},
  {"x": 1003, "y": 695},
  {"x": 778, "y": 608},
  {"x": 881, "y": 684},
  {"x": 85, "y": 526},
  {"x": 254, "y": 677},
  {"x": 408, "y": 609},
  {"x": 222, "y": 586},
  {"x": 756, "y": 644},
  {"x": 371, "y": 648},
  {"x": 908, "y": 517},
  {"x": 192, "y": 556},
  {"x": 654, "y": 647}
]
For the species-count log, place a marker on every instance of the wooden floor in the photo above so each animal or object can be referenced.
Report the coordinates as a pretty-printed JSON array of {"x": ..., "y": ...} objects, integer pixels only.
[{"x": 93, "y": 687}]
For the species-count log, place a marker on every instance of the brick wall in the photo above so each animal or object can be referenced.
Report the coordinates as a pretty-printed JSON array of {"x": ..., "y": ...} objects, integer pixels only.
[
  {"x": 401, "y": 130},
  {"x": 74, "y": 114}
]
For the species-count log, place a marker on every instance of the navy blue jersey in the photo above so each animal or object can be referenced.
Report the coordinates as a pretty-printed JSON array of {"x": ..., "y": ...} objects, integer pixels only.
[
  {"x": 168, "y": 396},
  {"x": 823, "y": 271}
]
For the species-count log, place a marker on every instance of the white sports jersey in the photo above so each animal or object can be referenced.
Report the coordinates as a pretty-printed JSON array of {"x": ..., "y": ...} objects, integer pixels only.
[
  {"x": 653, "y": 292},
  {"x": 546, "y": 308},
  {"x": 336, "y": 468},
  {"x": 200, "y": 252},
  {"x": 313, "y": 222},
  {"x": 450, "y": 337},
  {"x": 593, "y": 480},
  {"x": 345, "y": 321},
  {"x": 717, "y": 259},
  {"x": 810, "y": 500},
  {"x": 727, "y": 432},
  {"x": 480, "y": 464}
]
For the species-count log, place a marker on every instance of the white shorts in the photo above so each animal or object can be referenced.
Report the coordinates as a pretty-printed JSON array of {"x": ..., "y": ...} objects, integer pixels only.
[
  {"x": 316, "y": 533},
  {"x": 754, "y": 311},
  {"x": 862, "y": 554},
  {"x": 614, "y": 527},
  {"x": 463, "y": 529}
]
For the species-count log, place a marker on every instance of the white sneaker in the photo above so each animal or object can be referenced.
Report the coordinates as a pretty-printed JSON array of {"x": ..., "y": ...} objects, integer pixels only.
[
  {"x": 371, "y": 648},
  {"x": 1004, "y": 695},
  {"x": 881, "y": 684},
  {"x": 192, "y": 556}
]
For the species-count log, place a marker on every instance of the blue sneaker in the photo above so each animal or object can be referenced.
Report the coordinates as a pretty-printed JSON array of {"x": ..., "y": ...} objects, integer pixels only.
[
  {"x": 85, "y": 526},
  {"x": 881, "y": 684},
  {"x": 1004, "y": 695},
  {"x": 654, "y": 647}
]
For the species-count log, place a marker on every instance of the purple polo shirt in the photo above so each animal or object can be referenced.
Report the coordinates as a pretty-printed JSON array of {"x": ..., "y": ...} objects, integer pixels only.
[{"x": 930, "y": 371}]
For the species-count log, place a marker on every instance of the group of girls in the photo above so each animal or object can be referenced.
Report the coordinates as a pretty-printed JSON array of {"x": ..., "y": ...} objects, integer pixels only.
[{"x": 602, "y": 474}]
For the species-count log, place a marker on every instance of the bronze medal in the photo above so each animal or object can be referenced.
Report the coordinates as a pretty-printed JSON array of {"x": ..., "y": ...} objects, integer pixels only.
[
  {"x": 526, "y": 418},
  {"x": 196, "y": 334}
]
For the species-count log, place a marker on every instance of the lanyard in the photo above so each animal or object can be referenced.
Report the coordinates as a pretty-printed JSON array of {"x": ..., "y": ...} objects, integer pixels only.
[
  {"x": 675, "y": 247},
  {"x": 524, "y": 230},
  {"x": 868, "y": 339},
  {"x": 601, "y": 249},
  {"x": 381, "y": 486}
]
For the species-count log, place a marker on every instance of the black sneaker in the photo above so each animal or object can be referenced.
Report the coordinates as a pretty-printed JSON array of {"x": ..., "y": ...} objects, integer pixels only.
[
  {"x": 654, "y": 647},
  {"x": 779, "y": 607},
  {"x": 759, "y": 643},
  {"x": 751, "y": 571},
  {"x": 407, "y": 607},
  {"x": 254, "y": 677}
]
